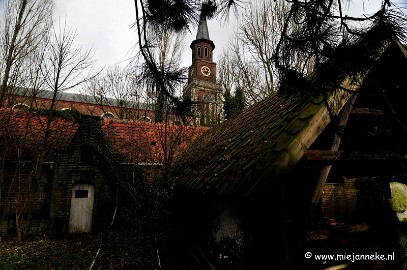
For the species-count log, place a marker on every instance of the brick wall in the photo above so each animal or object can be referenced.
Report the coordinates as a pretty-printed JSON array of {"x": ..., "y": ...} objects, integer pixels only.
[
  {"x": 339, "y": 200},
  {"x": 70, "y": 170},
  {"x": 37, "y": 199},
  {"x": 110, "y": 143}
]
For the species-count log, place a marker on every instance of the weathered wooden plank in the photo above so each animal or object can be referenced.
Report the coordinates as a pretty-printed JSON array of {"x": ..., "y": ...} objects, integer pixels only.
[
  {"x": 332, "y": 155},
  {"x": 367, "y": 111}
]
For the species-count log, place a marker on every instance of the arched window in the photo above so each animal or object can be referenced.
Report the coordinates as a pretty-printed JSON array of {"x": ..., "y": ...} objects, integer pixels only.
[
  {"x": 21, "y": 107},
  {"x": 145, "y": 119},
  {"x": 206, "y": 51},
  {"x": 107, "y": 115},
  {"x": 198, "y": 51}
]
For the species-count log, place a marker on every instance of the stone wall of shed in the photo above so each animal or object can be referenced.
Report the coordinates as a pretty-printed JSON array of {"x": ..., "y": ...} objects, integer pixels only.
[
  {"x": 339, "y": 200},
  {"x": 39, "y": 206},
  {"x": 69, "y": 172}
]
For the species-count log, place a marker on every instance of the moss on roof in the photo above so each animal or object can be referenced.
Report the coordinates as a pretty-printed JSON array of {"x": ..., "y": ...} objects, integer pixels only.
[
  {"x": 224, "y": 159},
  {"x": 260, "y": 145}
]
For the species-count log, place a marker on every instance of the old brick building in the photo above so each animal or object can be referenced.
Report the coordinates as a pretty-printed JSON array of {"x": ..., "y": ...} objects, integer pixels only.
[
  {"x": 61, "y": 169},
  {"x": 64, "y": 177}
]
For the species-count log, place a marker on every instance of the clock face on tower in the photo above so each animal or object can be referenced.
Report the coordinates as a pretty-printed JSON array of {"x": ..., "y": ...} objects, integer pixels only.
[{"x": 205, "y": 71}]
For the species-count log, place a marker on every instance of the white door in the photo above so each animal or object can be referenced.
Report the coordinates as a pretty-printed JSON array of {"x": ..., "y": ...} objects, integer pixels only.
[{"x": 80, "y": 218}]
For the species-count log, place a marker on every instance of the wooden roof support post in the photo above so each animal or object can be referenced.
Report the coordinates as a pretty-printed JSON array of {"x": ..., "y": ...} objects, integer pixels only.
[
  {"x": 392, "y": 110},
  {"x": 334, "y": 147}
]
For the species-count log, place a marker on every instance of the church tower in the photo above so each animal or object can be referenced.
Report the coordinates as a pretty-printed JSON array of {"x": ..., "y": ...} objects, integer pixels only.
[{"x": 202, "y": 89}]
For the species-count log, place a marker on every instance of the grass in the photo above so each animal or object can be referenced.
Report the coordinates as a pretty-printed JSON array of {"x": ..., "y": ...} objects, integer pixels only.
[{"x": 117, "y": 251}]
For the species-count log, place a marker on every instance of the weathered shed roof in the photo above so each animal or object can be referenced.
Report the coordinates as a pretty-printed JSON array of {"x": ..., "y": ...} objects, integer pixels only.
[
  {"x": 260, "y": 145},
  {"x": 271, "y": 134}
]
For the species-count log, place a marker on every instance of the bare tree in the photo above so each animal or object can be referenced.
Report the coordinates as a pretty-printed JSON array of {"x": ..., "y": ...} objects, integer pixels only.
[
  {"x": 236, "y": 71},
  {"x": 25, "y": 25},
  {"x": 66, "y": 65},
  {"x": 23, "y": 37},
  {"x": 63, "y": 68},
  {"x": 60, "y": 67},
  {"x": 117, "y": 91},
  {"x": 249, "y": 63},
  {"x": 165, "y": 50},
  {"x": 259, "y": 29}
]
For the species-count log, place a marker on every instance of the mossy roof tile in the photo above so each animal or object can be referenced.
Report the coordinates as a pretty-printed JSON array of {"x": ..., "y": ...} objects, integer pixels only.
[
  {"x": 229, "y": 151},
  {"x": 269, "y": 136}
]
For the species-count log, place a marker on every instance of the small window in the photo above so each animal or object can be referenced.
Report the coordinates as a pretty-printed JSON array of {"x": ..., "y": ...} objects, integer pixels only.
[
  {"x": 87, "y": 153},
  {"x": 206, "y": 51},
  {"x": 86, "y": 175},
  {"x": 199, "y": 51},
  {"x": 81, "y": 193}
]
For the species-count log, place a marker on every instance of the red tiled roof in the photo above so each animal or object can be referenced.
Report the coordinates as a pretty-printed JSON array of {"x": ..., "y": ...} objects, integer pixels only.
[
  {"x": 143, "y": 142},
  {"x": 25, "y": 131},
  {"x": 133, "y": 141}
]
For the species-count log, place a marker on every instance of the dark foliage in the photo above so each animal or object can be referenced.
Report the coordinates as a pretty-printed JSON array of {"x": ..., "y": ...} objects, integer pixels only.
[
  {"x": 332, "y": 44},
  {"x": 233, "y": 105}
]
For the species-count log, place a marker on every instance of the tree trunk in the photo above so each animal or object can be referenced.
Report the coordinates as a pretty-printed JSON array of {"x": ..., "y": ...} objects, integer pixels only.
[{"x": 18, "y": 226}]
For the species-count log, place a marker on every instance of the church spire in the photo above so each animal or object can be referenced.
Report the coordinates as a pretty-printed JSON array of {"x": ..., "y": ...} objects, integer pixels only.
[{"x": 202, "y": 32}]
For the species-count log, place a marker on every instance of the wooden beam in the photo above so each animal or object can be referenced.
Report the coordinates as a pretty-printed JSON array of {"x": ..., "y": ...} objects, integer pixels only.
[
  {"x": 367, "y": 111},
  {"x": 392, "y": 110},
  {"x": 332, "y": 155},
  {"x": 343, "y": 120}
]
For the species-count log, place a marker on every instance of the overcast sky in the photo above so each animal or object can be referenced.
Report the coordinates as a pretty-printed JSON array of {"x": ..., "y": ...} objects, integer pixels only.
[{"x": 105, "y": 26}]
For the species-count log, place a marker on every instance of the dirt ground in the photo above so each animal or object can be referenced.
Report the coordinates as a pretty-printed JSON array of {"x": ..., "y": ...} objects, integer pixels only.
[{"x": 78, "y": 252}]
